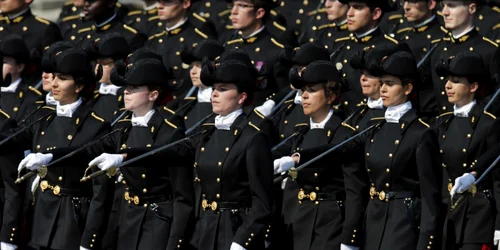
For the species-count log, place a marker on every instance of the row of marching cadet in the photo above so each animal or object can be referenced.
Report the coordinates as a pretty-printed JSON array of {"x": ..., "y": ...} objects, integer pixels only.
[{"x": 364, "y": 134}]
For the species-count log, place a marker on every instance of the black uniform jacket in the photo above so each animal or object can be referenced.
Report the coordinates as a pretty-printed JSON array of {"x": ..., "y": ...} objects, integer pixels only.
[
  {"x": 402, "y": 161},
  {"x": 92, "y": 32},
  {"x": 318, "y": 222},
  {"x": 462, "y": 141},
  {"x": 328, "y": 33},
  {"x": 235, "y": 169},
  {"x": 20, "y": 104},
  {"x": 108, "y": 106},
  {"x": 62, "y": 202}
]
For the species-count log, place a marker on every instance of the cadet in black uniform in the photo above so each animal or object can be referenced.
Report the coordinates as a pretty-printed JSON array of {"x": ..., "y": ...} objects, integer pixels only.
[
  {"x": 177, "y": 31},
  {"x": 196, "y": 107},
  {"x": 317, "y": 220},
  {"x": 459, "y": 18},
  {"x": 464, "y": 135},
  {"x": 233, "y": 162},
  {"x": 337, "y": 26},
  {"x": 425, "y": 27},
  {"x": 486, "y": 18},
  {"x": 145, "y": 20},
  {"x": 366, "y": 34},
  {"x": 108, "y": 98},
  {"x": 402, "y": 160},
  {"x": 70, "y": 8},
  {"x": 62, "y": 203}
]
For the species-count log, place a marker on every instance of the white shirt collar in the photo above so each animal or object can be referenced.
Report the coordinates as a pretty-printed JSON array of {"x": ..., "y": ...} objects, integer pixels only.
[
  {"x": 464, "y": 110},
  {"x": 12, "y": 87},
  {"x": 298, "y": 97},
  {"x": 19, "y": 13},
  {"x": 463, "y": 33},
  {"x": 108, "y": 89},
  {"x": 394, "y": 113},
  {"x": 256, "y": 32},
  {"x": 428, "y": 20},
  {"x": 204, "y": 95},
  {"x": 68, "y": 109},
  {"x": 367, "y": 33},
  {"x": 146, "y": 8},
  {"x": 320, "y": 125},
  {"x": 142, "y": 121},
  {"x": 177, "y": 25},
  {"x": 49, "y": 99},
  {"x": 98, "y": 25},
  {"x": 225, "y": 122},
  {"x": 375, "y": 104}
]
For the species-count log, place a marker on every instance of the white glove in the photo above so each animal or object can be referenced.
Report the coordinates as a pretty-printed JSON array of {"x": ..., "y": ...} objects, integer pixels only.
[
  {"x": 236, "y": 246},
  {"x": 35, "y": 183},
  {"x": 266, "y": 108},
  {"x": 496, "y": 238},
  {"x": 462, "y": 183},
  {"x": 34, "y": 161},
  {"x": 348, "y": 247},
  {"x": 7, "y": 246},
  {"x": 106, "y": 161},
  {"x": 283, "y": 164},
  {"x": 83, "y": 248}
]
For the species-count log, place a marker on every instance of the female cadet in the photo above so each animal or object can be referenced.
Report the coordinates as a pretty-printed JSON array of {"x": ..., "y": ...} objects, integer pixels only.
[
  {"x": 62, "y": 203},
  {"x": 318, "y": 219},
  {"x": 233, "y": 162},
  {"x": 464, "y": 135},
  {"x": 402, "y": 160}
]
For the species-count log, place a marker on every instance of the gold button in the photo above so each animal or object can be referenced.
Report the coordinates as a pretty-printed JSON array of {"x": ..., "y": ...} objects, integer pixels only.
[
  {"x": 25, "y": 28},
  {"x": 387, "y": 185},
  {"x": 124, "y": 146},
  {"x": 177, "y": 53},
  {"x": 330, "y": 35},
  {"x": 465, "y": 165},
  {"x": 471, "y": 49},
  {"x": 371, "y": 141},
  {"x": 445, "y": 49},
  {"x": 444, "y": 108},
  {"x": 390, "y": 155},
  {"x": 95, "y": 235},
  {"x": 73, "y": 37},
  {"x": 257, "y": 49},
  {"x": 345, "y": 61},
  {"x": 70, "y": 137},
  {"x": 208, "y": 4},
  {"x": 160, "y": 41},
  {"x": 285, "y": 122},
  {"x": 202, "y": 149},
  {"x": 387, "y": 170},
  {"x": 441, "y": 78},
  {"x": 145, "y": 205},
  {"x": 441, "y": 151},
  {"x": 181, "y": 39},
  {"x": 367, "y": 154},
  {"x": 37, "y": 146},
  {"x": 89, "y": 36},
  {"x": 217, "y": 196},
  {"x": 428, "y": 36},
  {"x": 12, "y": 235},
  {"x": 219, "y": 164},
  {"x": 468, "y": 136},
  {"x": 464, "y": 150},
  {"x": 314, "y": 28},
  {"x": 176, "y": 68},
  {"x": 396, "y": 142},
  {"x": 315, "y": 174},
  {"x": 43, "y": 133},
  {"x": 301, "y": 11},
  {"x": 73, "y": 26},
  {"x": 1, "y": 28},
  {"x": 227, "y": 149},
  {"x": 443, "y": 93},
  {"x": 297, "y": 21},
  {"x": 60, "y": 178},
  {"x": 15, "y": 109},
  {"x": 144, "y": 190},
  {"x": 143, "y": 176},
  {"x": 282, "y": 136},
  {"x": 218, "y": 179}
]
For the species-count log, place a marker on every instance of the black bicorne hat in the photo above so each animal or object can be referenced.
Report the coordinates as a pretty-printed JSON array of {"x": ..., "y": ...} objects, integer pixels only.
[
  {"x": 207, "y": 48},
  {"x": 465, "y": 64},
  {"x": 14, "y": 46},
  {"x": 112, "y": 45},
  {"x": 320, "y": 71},
  {"x": 303, "y": 55},
  {"x": 49, "y": 54},
  {"x": 400, "y": 64},
  {"x": 147, "y": 71}
]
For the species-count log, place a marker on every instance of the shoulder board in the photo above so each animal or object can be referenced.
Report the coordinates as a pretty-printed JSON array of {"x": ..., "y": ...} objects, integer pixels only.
[
  {"x": 223, "y": 13},
  {"x": 199, "y": 17},
  {"x": 323, "y": 26},
  {"x": 40, "y": 102},
  {"x": 84, "y": 30},
  {"x": 97, "y": 117},
  {"x": 277, "y": 25},
  {"x": 68, "y": 3},
  {"x": 289, "y": 101},
  {"x": 496, "y": 26},
  {"x": 273, "y": 12},
  {"x": 395, "y": 16},
  {"x": 135, "y": 12},
  {"x": 391, "y": 39},
  {"x": 259, "y": 114},
  {"x": 48, "y": 107},
  {"x": 5, "y": 114},
  {"x": 125, "y": 120},
  {"x": 122, "y": 109},
  {"x": 277, "y": 43},
  {"x": 425, "y": 124},
  {"x": 253, "y": 126},
  {"x": 435, "y": 41},
  {"x": 170, "y": 124},
  {"x": 68, "y": 18},
  {"x": 190, "y": 98},
  {"x": 169, "y": 110},
  {"x": 229, "y": 27},
  {"x": 440, "y": 13},
  {"x": 42, "y": 20},
  {"x": 118, "y": 5},
  {"x": 342, "y": 39},
  {"x": 490, "y": 115},
  {"x": 488, "y": 40},
  {"x": 200, "y": 33},
  {"x": 156, "y": 35},
  {"x": 443, "y": 29},
  {"x": 496, "y": 8},
  {"x": 130, "y": 29},
  {"x": 348, "y": 126},
  {"x": 377, "y": 118},
  {"x": 35, "y": 90},
  {"x": 153, "y": 18},
  {"x": 404, "y": 30},
  {"x": 447, "y": 113},
  {"x": 209, "y": 124},
  {"x": 239, "y": 40},
  {"x": 301, "y": 124}
]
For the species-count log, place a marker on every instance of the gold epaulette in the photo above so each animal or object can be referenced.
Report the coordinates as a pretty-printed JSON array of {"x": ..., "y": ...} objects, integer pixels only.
[
  {"x": 35, "y": 90},
  {"x": 239, "y": 40},
  {"x": 97, "y": 117},
  {"x": 153, "y": 18},
  {"x": 199, "y": 17},
  {"x": 125, "y": 120},
  {"x": 377, "y": 118},
  {"x": 289, "y": 101},
  {"x": 301, "y": 124},
  {"x": 40, "y": 102},
  {"x": 170, "y": 124},
  {"x": 496, "y": 8},
  {"x": 348, "y": 126},
  {"x": 488, "y": 40},
  {"x": 253, "y": 126},
  {"x": 169, "y": 110},
  {"x": 209, "y": 124},
  {"x": 444, "y": 29},
  {"x": 404, "y": 30},
  {"x": 48, "y": 107},
  {"x": 440, "y": 13},
  {"x": 391, "y": 39},
  {"x": 425, "y": 124},
  {"x": 259, "y": 114},
  {"x": 135, "y": 12},
  {"x": 122, "y": 109},
  {"x": 277, "y": 25},
  {"x": 130, "y": 29},
  {"x": 200, "y": 33},
  {"x": 435, "y": 41},
  {"x": 343, "y": 39},
  {"x": 84, "y": 30},
  {"x": 395, "y": 16},
  {"x": 223, "y": 13},
  {"x": 42, "y": 20},
  {"x": 277, "y": 43},
  {"x": 5, "y": 114},
  {"x": 70, "y": 2},
  {"x": 323, "y": 26},
  {"x": 496, "y": 26},
  {"x": 490, "y": 115},
  {"x": 156, "y": 35},
  {"x": 69, "y": 18},
  {"x": 447, "y": 113}
]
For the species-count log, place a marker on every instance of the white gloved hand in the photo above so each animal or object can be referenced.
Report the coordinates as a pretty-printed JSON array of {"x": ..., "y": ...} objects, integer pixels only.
[
  {"x": 236, "y": 246},
  {"x": 83, "y": 248},
  {"x": 496, "y": 238},
  {"x": 106, "y": 161},
  {"x": 283, "y": 164},
  {"x": 35, "y": 183},
  {"x": 34, "y": 161},
  {"x": 462, "y": 183},
  {"x": 266, "y": 108},
  {"x": 348, "y": 247},
  {"x": 7, "y": 246}
]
